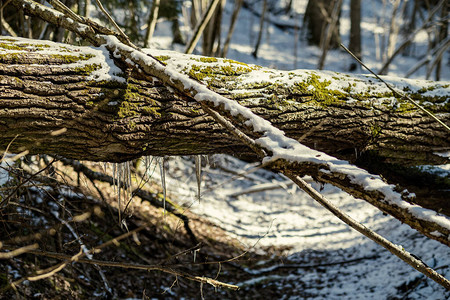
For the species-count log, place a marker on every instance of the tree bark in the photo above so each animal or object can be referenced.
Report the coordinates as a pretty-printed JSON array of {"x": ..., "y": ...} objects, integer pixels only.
[{"x": 42, "y": 92}]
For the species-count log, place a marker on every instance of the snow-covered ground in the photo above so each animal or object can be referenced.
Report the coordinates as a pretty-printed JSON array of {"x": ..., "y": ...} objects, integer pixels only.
[{"x": 286, "y": 215}]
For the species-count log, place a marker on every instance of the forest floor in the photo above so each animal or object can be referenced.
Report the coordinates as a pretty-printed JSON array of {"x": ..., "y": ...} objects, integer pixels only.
[{"x": 287, "y": 253}]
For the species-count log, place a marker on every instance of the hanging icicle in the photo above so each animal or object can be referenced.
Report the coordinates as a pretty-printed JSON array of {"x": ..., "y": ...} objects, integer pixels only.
[
  {"x": 198, "y": 173},
  {"x": 128, "y": 178},
  {"x": 119, "y": 183},
  {"x": 114, "y": 175},
  {"x": 162, "y": 167}
]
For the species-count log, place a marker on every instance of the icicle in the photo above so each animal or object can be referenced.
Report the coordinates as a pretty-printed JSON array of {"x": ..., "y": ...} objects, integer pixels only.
[
  {"x": 114, "y": 175},
  {"x": 198, "y": 173},
  {"x": 162, "y": 169},
  {"x": 127, "y": 180},
  {"x": 119, "y": 175}
]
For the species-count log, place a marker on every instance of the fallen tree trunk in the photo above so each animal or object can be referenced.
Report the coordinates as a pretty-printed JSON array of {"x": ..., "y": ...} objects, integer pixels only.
[
  {"x": 75, "y": 102},
  {"x": 45, "y": 87}
]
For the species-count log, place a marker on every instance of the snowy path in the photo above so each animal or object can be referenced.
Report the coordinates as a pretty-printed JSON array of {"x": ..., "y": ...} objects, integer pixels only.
[{"x": 290, "y": 217}]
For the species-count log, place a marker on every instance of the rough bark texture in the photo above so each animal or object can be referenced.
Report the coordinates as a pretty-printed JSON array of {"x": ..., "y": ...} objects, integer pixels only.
[
  {"x": 112, "y": 121},
  {"x": 145, "y": 117}
]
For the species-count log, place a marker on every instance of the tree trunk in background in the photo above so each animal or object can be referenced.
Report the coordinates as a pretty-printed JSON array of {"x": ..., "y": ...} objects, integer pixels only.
[
  {"x": 355, "y": 32},
  {"x": 261, "y": 29},
  {"x": 132, "y": 21},
  {"x": 200, "y": 27},
  {"x": 151, "y": 24},
  {"x": 237, "y": 8},
  {"x": 176, "y": 33},
  {"x": 87, "y": 8},
  {"x": 84, "y": 7},
  {"x": 1, "y": 17},
  {"x": 328, "y": 32},
  {"x": 317, "y": 17},
  {"x": 288, "y": 7},
  {"x": 443, "y": 33},
  {"x": 410, "y": 17},
  {"x": 393, "y": 34},
  {"x": 211, "y": 35},
  {"x": 170, "y": 9}
]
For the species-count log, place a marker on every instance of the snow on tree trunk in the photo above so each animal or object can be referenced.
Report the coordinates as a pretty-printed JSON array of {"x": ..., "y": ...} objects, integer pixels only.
[{"x": 117, "y": 117}]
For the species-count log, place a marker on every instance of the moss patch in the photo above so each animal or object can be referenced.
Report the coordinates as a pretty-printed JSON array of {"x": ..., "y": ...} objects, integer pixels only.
[
  {"x": 10, "y": 47},
  {"x": 22, "y": 46},
  {"x": 162, "y": 57},
  {"x": 208, "y": 59},
  {"x": 132, "y": 104},
  {"x": 199, "y": 72},
  {"x": 319, "y": 92},
  {"x": 87, "y": 69},
  {"x": 72, "y": 58}
]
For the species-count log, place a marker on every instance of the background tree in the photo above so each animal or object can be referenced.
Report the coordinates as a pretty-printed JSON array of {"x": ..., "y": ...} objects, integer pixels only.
[
  {"x": 317, "y": 18},
  {"x": 355, "y": 32}
]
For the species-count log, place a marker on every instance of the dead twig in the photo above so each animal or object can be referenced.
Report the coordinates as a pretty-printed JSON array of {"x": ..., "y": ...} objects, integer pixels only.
[
  {"x": 24, "y": 182},
  {"x": 18, "y": 251},
  {"x": 77, "y": 258},
  {"x": 113, "y": 22}
]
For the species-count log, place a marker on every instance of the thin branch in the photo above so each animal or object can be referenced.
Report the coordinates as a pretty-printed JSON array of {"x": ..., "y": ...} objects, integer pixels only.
[
  {"x": 58, "y": 5},
  {"x": 397, "y": 93},
  {"x": 237, "y": 8},
  {"x": 310, "y": 266},
  {"x": 56, "y": 268},
  {"x": 77, "y": 258},
  {"x": 426, "y": 24},
  {"x": 397, "y": 250},
  {"x": 18, "y": 251},
  {"x": 201, "y": 26},
  {"x": 7, "y": 148},
  {"x": 113, "y": 22},
  {"x": 24, "y": 182}
]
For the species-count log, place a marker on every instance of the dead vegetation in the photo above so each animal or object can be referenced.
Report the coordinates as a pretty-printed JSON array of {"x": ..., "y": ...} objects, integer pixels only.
[{"x": 62, "y": 215}]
